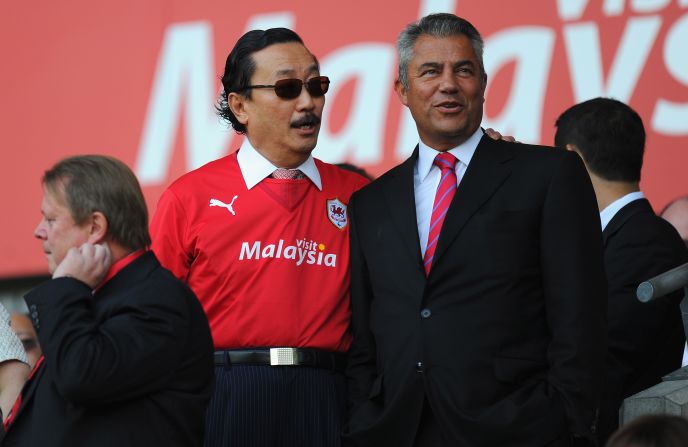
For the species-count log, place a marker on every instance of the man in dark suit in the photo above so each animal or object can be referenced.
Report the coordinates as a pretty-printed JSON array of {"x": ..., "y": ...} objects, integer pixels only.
[
  {"x": 127, "y": 348},
  {"x": 490, "y": 331},
  {"x": 645, "y": 340}
]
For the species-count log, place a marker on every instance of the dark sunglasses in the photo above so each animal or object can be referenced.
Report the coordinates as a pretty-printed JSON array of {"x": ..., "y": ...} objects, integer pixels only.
[{"x": 291, "y": 88}]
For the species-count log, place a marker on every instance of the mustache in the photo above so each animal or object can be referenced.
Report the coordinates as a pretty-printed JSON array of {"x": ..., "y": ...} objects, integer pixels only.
[{"x": 309, "y": 119}]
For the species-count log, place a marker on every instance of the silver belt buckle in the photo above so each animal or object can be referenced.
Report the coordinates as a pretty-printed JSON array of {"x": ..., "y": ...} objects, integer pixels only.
[{"x": 283, "y": 356}]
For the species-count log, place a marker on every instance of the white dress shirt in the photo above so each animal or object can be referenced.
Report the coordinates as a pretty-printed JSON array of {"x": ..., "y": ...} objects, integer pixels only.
[
  {"x": 254, "y": 167},
  {"x": 426, "y": 178},
  {"x": 610, "y": 211}
]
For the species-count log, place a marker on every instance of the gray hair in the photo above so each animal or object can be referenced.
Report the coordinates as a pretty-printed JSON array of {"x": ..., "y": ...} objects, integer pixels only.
[{"x": 436, "y": 25}]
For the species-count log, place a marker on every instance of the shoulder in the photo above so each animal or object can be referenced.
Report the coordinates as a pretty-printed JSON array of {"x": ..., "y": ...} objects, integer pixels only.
[
  {"x": 146, "y": 280},
  {"x": 339, "y": 178},
  {"x": 221, "y": 169},
  {"x": 650, "y": 237},
  {"x": 534, "y": 154},
  {"x": 639, "y": 219}
]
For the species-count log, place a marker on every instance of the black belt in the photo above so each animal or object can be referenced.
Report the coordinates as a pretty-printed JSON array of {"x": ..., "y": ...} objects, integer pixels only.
[{"x": 282, "y": 357}]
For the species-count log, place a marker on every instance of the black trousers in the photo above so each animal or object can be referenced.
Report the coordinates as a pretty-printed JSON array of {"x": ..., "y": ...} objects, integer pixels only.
[{"x": 275, "y": 406}]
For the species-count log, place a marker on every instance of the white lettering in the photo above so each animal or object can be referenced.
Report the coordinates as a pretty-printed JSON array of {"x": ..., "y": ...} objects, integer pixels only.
[
  {"x": 671, "y": 118},
  {"x": 612, "y": 8},
  {"x": 649, "y": 5},
  {"x": 361, "y": 137},
  {"x": 582, "y": 43},
  {"x": 290, "y": 252},
  {"x": 531, "y": 48},
  {"x": 302, "y": 255},
  {"x": 184, "y": 76},
  {"x": 279, "y": 248},
  {"x": 571, "y": 9},
  {"x": 331, "y": 260},
  {"x": 269, "y": 251},
  {"x": 249, "y": 253},
  {"x": 311, "y": 257},
  {"x": 433, "y": 6},
  {"x": 271, "y": 20}
]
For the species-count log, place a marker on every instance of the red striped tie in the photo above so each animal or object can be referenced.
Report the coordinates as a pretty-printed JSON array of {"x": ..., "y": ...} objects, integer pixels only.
[{"x": 443, "y": 197}]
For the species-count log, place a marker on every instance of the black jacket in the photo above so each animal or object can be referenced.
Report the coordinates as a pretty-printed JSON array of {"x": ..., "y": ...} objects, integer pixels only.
[{"x": 130, "y": 365}]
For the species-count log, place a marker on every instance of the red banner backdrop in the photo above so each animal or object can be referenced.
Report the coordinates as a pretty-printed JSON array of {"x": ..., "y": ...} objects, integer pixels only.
[{"x": 138, "y": 80}]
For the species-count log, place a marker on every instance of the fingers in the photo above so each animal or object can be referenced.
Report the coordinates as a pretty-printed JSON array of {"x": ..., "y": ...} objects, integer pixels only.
[
  {"x": 89, "y": 263},
  {"x": 490, "y": 132},
  {"x": 493, "y": 133},
  {"x": 98, "y": 253}
]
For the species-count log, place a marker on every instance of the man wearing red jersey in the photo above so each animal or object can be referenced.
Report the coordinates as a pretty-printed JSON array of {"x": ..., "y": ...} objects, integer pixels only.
[{"x": 261, "y": 236}]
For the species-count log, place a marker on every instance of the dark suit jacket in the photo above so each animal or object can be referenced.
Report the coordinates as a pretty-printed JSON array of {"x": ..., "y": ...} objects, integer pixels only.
[
  {"x": 510, "y": 347},
  {"x": 129, "y": 366},
  {"x": 645, "y": 340}
]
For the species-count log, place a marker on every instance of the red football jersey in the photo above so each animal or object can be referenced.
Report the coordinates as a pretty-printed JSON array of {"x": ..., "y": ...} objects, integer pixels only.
[{"x": 271, "y": 264}]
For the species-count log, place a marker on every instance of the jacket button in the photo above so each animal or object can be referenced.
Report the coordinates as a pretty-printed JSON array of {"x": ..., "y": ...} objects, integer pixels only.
[
  {"x": 420, "y": 367},
  {"x": 425, "y": 313}
]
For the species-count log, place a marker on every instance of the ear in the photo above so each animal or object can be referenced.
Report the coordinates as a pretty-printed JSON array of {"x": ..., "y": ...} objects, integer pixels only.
[
  {"x": 237, "y": 104},
  {"x": 572, "y": 148},
  {"x": 484, "y": 86},
  {"x": 401, "y": 92},
  {"x": 98, "y": 228}
]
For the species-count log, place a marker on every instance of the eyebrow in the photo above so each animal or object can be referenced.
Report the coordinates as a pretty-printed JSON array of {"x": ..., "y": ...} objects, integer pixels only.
[
  {"x": 291, "y": 72},
  {"x": 460, "y": 63}
]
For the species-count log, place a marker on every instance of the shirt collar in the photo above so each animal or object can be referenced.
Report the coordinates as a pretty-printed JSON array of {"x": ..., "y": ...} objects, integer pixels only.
[
  {"x": 254, "y": 167},
  {"x": 119, "y": 265},
  {"x": 464, "y": 152},
  {"x": 610, "y": 211}
]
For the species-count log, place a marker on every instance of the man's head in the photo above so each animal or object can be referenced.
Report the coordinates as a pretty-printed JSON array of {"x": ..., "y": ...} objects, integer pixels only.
[
  {"x": 93, "y": 199},
  {"x": 676, "y": 213},
  {"x": 608, "y": 135},
  {"x": 283, "y": 121},
  {"x": 442, "y": 78}
]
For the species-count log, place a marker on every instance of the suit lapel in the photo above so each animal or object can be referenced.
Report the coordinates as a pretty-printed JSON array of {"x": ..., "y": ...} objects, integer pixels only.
[
  {"x": 488, "y": 169},
  {"x": 625, "y": 213},
  {"x": 401, "y": 202}
]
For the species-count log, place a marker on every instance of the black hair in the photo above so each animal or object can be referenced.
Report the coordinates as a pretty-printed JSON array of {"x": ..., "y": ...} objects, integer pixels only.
[{"x": 608, "y": 134}]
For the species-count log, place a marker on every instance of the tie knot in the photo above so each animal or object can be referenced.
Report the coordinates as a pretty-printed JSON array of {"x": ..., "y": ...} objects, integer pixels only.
[
  {"x": 445, "y": 160},
  {"x": 287, "y": 174}
]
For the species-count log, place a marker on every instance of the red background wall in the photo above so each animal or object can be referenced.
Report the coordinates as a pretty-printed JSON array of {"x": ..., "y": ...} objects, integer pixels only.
[{"x": 138, "y": 80}]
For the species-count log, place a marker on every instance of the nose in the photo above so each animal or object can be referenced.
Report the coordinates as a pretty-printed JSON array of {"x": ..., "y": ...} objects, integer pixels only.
[
  {"x": 448, "y": 81},
  {"x": 39, "y": 232},
  {"x": 305, "y": 101}
]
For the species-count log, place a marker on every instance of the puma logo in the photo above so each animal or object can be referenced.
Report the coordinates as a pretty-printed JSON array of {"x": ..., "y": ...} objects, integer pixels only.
[{"x": 220, "y": 203}]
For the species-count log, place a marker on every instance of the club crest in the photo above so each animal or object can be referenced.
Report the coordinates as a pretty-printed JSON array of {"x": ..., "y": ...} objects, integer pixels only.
[{"x": 336, "y": 212}]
